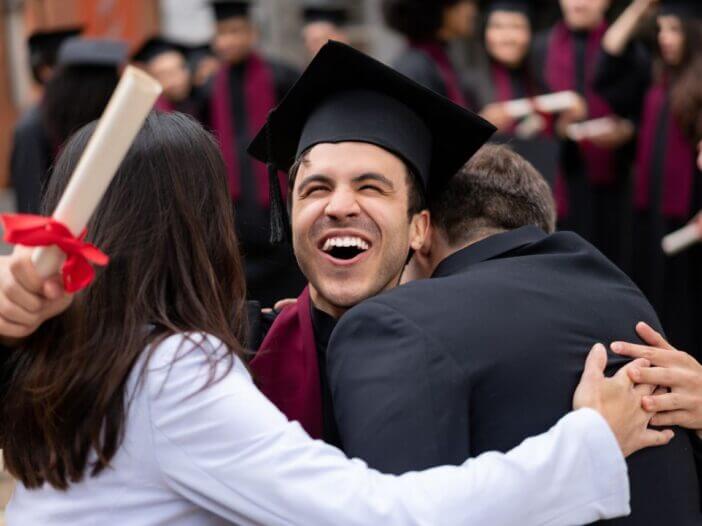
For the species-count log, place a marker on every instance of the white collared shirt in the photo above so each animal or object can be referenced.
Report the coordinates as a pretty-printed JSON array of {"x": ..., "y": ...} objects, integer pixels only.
[{"x": 225, "y": 455}]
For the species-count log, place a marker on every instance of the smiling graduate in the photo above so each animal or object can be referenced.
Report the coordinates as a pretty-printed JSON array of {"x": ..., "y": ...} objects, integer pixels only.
[{"x": 363, "y": 145}]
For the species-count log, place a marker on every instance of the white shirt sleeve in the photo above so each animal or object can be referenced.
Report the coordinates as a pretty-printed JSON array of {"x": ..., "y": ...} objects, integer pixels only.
[{"x": 227, "y": 449}]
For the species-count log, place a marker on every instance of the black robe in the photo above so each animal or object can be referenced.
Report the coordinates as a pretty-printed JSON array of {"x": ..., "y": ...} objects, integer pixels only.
[
  {"x": 487, "y": 353},
  {"x": 596, "y": 212},
  {"x": 271, "y": 271},
  {"x": 30, "y": 161},
  {"x": 672, "y": 284}
]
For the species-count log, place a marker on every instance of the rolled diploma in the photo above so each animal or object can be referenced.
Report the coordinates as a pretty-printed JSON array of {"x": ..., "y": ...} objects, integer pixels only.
[
  {"x": 550, "y": 103},
  {"x": 579, "y": 131},
  {"x": 681, "y": 239},
  {"x": 122, "y": 119}
]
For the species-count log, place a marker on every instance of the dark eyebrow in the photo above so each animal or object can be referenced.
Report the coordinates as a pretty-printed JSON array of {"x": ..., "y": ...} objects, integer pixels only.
[
  {"x": 314, "y": 179},
  {"x": 374, "y": 177}
]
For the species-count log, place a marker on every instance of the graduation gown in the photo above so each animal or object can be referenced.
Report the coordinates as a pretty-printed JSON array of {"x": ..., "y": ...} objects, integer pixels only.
[
  {"x": 596, "y": 179},
  {"x": 30, "y": 161},
  {"x": 290, "y": 367},
  {"x": 429, "y": 64},
  {"x": 667, "y": 193},
  {"x": 542, "y": 150},
  {"x": 488, "y": 352},
  {"x": 241, "y": 96},
  {"x": 194, "y": 104}
]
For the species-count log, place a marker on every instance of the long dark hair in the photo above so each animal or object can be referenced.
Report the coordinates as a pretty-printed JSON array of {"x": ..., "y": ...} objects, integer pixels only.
[
  {"x": 685, "y": 88},
  {"x": 167, "y": 224},
  {"x": 75, "y": 96}
]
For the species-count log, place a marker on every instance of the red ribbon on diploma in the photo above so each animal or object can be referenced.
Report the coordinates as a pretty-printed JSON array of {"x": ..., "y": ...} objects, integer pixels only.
[{"x": 39, "y": 231}]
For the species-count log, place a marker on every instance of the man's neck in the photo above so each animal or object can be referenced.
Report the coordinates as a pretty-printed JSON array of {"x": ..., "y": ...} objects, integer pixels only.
[{"x": 322, "y": 304}]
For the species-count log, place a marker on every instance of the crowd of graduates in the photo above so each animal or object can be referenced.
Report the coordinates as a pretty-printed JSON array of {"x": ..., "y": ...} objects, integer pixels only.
[
  {"x": 439, "y": 315},
  {"x": 623, "y": 187}
]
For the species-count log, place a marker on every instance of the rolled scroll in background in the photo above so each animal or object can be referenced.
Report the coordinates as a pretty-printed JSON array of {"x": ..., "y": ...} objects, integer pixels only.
[
  {"x": 549, "y": 103},
  {"x": 679, "y": 240},
  {"x": 115, "y": 132}
]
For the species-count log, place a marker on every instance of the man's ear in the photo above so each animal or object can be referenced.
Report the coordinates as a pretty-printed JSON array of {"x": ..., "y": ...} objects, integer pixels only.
[{"x": 420, "y": 230}]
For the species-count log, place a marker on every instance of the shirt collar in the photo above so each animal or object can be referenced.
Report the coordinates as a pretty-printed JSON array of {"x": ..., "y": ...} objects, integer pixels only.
[{"x": 489, "y": 248}]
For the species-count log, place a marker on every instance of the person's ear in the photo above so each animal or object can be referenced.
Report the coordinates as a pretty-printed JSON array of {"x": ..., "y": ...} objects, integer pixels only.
[{"x": 420, "y": 230}]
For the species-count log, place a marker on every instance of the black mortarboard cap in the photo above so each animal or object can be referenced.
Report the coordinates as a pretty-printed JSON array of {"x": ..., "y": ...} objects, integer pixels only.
[
  {"x": 682, "y": 8},
  {"x": 519, "y": 6},
  {"x": 44, "y": 45},
  {"x": 344, "y": 95},
  {"x": 332, "y": 12},
  {"x": 156, "y": 46},
  {"x": 93, "y": 52},
  {"x": 50, "y": 40},
  {"x": 224, "y": 9}
]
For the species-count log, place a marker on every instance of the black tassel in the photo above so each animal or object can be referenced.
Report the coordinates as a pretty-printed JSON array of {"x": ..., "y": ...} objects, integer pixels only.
[{"x": 280, "y": 224}]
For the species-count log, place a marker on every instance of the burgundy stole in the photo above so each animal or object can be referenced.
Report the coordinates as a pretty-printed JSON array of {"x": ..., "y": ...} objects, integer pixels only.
[
  {"x": 286, "y": 369},
  {"x": 599, "y": 163},
  {"x": 678, "y": 164},
  {"x": 164, "y": 105},
  {"x": 260, "y": 98},
  {"x": 502, "y": 83},
  {"x": 437, "y": 52}
]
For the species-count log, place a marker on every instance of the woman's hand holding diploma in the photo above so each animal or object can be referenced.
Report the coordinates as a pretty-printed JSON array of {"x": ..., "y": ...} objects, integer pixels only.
[{"x": 31, "y": 290}]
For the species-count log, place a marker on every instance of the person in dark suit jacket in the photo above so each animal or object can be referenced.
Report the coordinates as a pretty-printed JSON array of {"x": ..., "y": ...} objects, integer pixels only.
[{"x": 489, "y": 350}]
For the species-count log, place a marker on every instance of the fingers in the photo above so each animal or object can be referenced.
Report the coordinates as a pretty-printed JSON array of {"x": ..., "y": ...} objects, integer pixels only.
[
  {"x": 280, "y": 305},
  {"x": 10, "y": 329},
  {"x": 26, "y": 275},
  {"x": 671, "y": 418},
  {"x": 653, "y": 438},
  {"x": 55, "y": 307},
  {"x": 624, "y": 375},
  {"x": 53, "y": 289},
  {"x": 652, "y": 337},
  {"x": 668, "y": 402},
  {"x": 22, "y": 297},
  {"x": 661, "y": 376},
  {"x": 595, "y": 364},
  {"x": 657, "y": 356}
]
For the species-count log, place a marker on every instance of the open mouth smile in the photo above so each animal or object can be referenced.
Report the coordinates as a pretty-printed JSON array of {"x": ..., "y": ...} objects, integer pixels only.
[{"x": 344, "y": 249}]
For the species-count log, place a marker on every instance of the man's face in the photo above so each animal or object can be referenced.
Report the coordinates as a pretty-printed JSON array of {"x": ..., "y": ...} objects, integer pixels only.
[
  {"x": 234, "y": 40},
  {"x": 507, "y": 37},
  {"x": 351, "y": 230},
  {"x": 172, "y": 73},
  {"x": 316, "y": 34},
  {"x": 583, "y": 15}
]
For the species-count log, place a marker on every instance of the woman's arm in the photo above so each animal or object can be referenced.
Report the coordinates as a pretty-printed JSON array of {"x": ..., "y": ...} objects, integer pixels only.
[
  {"x": 618, "y": 36},
  {"x": 227, "y": 449}
]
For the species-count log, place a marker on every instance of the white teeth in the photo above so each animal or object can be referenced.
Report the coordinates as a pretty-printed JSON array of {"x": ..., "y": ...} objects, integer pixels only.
[{"x": 345, "y": 242}]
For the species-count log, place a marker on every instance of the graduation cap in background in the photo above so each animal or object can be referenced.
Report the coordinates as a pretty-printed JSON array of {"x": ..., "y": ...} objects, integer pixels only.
[
  {"x": 44, "y": 45},
  {"x": 681, "y": 8},
  {"x": 332, "y": 12},
  {"x": 156, "y": 46},
  {"x": 225, "y": 9},
  {"x": 344, "y": 95},
  {"x": 93, "y": 52},
  {"x": 519, "y": 6}
]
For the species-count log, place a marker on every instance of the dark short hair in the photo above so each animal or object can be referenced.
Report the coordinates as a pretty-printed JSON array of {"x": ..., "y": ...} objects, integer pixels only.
[
  {"x": 496, "y": 190},
  {"x": 416, "y": 198}
]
